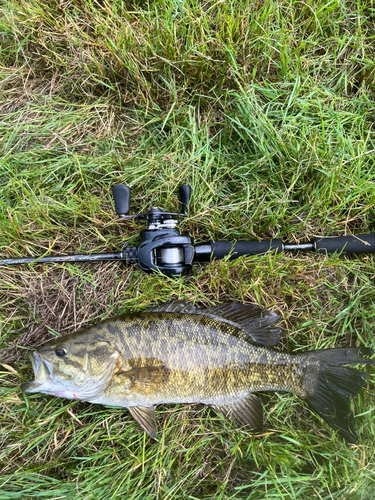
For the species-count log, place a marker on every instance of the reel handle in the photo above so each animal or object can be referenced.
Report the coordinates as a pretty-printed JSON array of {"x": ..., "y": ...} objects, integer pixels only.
[
  {"x": 121, "y": 195},
  {"x": 185, "y": 193}
]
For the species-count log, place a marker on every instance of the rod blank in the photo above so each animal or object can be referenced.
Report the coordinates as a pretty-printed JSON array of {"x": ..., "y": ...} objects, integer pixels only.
[{"x": 63, "y": 258}]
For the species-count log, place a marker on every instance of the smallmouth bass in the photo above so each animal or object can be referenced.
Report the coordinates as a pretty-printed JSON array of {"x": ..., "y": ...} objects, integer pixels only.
[{"x": 220, "y": 356}]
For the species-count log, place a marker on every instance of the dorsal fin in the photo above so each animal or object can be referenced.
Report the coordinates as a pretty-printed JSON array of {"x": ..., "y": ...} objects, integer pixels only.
[
  {"x": 256, "y": 322},
  {"x": 251, "y": 319},
  {"x": 175, "y": 306}
]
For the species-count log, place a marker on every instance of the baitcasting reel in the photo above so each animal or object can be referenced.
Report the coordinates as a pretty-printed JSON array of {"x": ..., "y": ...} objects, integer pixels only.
[{"x": 164, "y": 249}]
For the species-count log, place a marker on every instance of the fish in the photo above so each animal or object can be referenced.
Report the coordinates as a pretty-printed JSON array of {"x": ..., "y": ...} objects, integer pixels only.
[{"x": 219, "y": 356}]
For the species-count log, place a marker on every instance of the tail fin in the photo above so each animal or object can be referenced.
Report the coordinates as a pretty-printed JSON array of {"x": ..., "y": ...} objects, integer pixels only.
[{"x": 334, "y": 384}]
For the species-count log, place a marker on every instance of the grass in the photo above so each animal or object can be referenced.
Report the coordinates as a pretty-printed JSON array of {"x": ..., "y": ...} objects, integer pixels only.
[{"x": 267, "y": 110}]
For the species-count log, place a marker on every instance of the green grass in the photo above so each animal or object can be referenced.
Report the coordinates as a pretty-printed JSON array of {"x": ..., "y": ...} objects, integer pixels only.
[{"x": 267, "y": 110}]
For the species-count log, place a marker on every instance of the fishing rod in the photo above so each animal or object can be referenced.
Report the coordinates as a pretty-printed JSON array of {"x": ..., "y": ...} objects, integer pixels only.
[{"x": 165, "y": 250}]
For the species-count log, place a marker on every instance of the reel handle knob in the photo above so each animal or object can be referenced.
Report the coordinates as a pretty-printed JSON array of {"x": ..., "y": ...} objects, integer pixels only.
[
  {"x": 121, "y": 195},
  {"x": 185, "y": 192}
]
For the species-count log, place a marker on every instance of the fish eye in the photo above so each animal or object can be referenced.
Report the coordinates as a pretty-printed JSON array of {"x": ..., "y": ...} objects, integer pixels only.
[{"x": 60, "y": 351}]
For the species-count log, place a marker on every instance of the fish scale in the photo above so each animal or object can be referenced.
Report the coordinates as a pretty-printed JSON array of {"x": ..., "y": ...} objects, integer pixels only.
[
  {"x": 219, "y": 356},
  {"x": 215, "y": 362}
]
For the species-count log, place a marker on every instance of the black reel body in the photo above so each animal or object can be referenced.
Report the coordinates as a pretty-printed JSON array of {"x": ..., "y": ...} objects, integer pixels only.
[{"x": 169, "y": 253}]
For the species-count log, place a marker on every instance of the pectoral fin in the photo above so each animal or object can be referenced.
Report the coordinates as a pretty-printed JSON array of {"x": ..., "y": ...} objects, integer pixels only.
[
  {"x": 246, "y": 412},
  {"x": 145, "y": 416},
  {"x": 147, "y": 378}
]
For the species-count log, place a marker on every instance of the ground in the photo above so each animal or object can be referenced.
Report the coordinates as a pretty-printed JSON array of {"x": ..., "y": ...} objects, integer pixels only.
[{"x": 266, "y": 109}]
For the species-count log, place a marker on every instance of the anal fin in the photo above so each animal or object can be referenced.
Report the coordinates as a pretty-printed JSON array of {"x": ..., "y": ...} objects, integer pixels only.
[
  {"x": 145, "y": 416},
  {"x": 246, "y": 412}
]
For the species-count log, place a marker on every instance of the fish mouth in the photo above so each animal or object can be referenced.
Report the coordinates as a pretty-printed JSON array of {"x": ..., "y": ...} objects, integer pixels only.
[{"x": 41, "y": 374}]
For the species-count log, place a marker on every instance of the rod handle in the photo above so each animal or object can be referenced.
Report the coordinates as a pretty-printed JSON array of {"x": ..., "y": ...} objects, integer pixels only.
[
  {"x": 361, "y": 243},
  {"x": 221, "y": 249}
]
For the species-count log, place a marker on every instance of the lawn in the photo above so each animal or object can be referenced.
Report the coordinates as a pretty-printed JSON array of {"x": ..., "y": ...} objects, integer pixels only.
[{"x": 266, "y": 109}]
